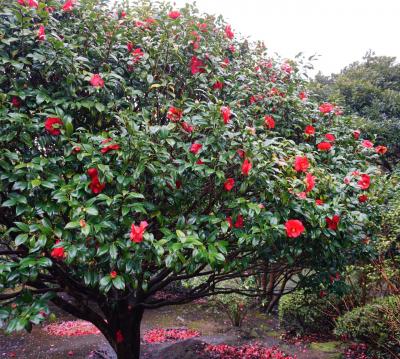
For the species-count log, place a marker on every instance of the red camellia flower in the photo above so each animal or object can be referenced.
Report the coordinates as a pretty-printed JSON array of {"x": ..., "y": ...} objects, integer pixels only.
[
  {"x": 41, "y": 33},
  {"x": 239, "y": 221},
  {"x": 310, "y": 181},
  {"x": 58, "y": 253},
  {"x": 226, "y": 114},
  {"x": 150, "y": 21},
  {"x": 195, "y": 148},
  {"x": 174, "y": 114},
  {"x": 68, "y": 5},
  {"x": 188, "y": 128},
  {"x": 326, "y": 107},
  {"x": 106, "y": 140},
  {"x": 137, "y": 54},
  {"x": 303, "y": 96},
  {"x": 319, "y": 202},
  {"x": 330, "y": 137},
  {"x": 119, "y": 338},
  {"x": 96, "y": 81},
  {"x": 302, "y": 195},
  {"x": 269, "y": 122},
  {"x": 228, "y": 32},
  {"x": 77, "y": 149},
  {"x": 356, "y": 134},
  {"x": 324, "y": 146},
  {"x": 199, "y": 162},
  {"x": 196, "y": 65},
  {"x": 229, "y": 183},
  {"x": 294, "y": 228},
  {"x": 108, "y": 148},
  {"x": 178, "y": 184},
  {"x": 333, "y": 222},
  {"x": 49, "y": 125},
  {"x": 95, "y": 186},
  {"x": 16, "y": 102},
  {"x": 174, "y": 14},
  {"x": 92, "y": 172},
  {"x": 202, "y": 26},
  {"x": 286, "y": 68},
  {"x": 129, "y": 46},
  {"x": 225, "y": 63},
  {"x": 362, "y": 198},
  {"x": 301, "y": 164},
  {"x": 364, "y": 182},
  {"x": 218, "y": 85},
  {"x": 30, "y": 3},
  {"x": 367, "y": 144},
  {"x": 381, "y": 149},
  {"x": 137, "y": 231},
  {"x": 246, "y": 167},
  {"x": 309, "y": 130},
  {"x": 113, "y": 274},
  {"x": 241, "y": 153}
]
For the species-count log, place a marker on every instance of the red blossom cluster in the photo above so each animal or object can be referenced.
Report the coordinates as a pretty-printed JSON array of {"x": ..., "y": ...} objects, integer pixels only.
[
  {"x": 255, "y": 351},
  {"x": 95, "y": 184},
  {"x": 58, "y": 253},
  {"x": 72, "y": 328},
  {"x": 160, "y": 335},
  {"x": 137, "y": 232}
]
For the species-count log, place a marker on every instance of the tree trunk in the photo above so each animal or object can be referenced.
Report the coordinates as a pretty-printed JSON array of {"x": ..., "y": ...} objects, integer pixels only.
[{"x": 127, "y": 334}]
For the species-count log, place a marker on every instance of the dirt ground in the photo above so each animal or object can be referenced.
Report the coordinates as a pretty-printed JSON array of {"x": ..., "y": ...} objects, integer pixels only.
[{"x": 213, "y": 326}]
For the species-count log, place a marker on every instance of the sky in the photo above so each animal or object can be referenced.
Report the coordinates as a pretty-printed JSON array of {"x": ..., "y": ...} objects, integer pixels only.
[{"x": 340, "y": 31}]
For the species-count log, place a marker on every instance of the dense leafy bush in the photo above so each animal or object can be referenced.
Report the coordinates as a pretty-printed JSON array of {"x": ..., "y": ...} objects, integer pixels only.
[
  {"x": 301, "y": 312},
  {"x": 146, "y": 146},
  {"x": 376, "y": 324},
  {"x": 234, "y": 305}
]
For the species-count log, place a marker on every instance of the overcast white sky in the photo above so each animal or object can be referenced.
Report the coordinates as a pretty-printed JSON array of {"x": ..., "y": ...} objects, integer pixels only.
[{"x": 341, "y": 31}]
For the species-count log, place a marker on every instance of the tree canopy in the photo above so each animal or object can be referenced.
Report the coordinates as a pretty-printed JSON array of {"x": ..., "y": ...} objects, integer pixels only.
[{"x": 145, "y": 145}]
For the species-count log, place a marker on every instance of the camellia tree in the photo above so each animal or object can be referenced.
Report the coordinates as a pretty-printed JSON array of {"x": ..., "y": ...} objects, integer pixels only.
[{"x": 145, "y": 145}]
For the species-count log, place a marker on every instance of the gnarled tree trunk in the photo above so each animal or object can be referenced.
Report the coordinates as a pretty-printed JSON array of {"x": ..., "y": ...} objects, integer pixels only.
[{"x": 125, "y": 325}]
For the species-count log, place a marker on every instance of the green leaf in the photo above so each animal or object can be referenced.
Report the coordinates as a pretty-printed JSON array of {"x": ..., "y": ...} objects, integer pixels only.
[
  {"x": 9, "y": 203},
  {"x": 105, "y": 281},
  {"x": 113, "y": 251},
  {"x": 118, "y": 282},
  {"x": 21, "y": 239},
  {"x": 99, "y": 107},
  {"x": 73, "y": 224},
  {"x": 86, "y": 230},
  {"x": 92, "y": 211},
  {"x": 22, "y": 226},
  {"x": 69, "y": 128}
]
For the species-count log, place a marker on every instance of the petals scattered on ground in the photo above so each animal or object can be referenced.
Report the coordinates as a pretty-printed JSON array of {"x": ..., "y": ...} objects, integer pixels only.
[
  {"x": 223, "y": 351},
  {"x": 71, "y": 328},
  {"x": 160, "y": 335}
]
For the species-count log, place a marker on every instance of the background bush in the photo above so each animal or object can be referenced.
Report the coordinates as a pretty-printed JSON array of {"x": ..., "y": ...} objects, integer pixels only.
[
  {"x": 376, "y": 324},
  {"x": 301, "y": 313}
]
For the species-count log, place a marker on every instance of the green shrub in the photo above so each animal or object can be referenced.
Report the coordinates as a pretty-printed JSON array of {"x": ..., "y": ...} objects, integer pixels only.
[
  {"x": 376, "y": 324},
  {"x": 300, "y": 312}
]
